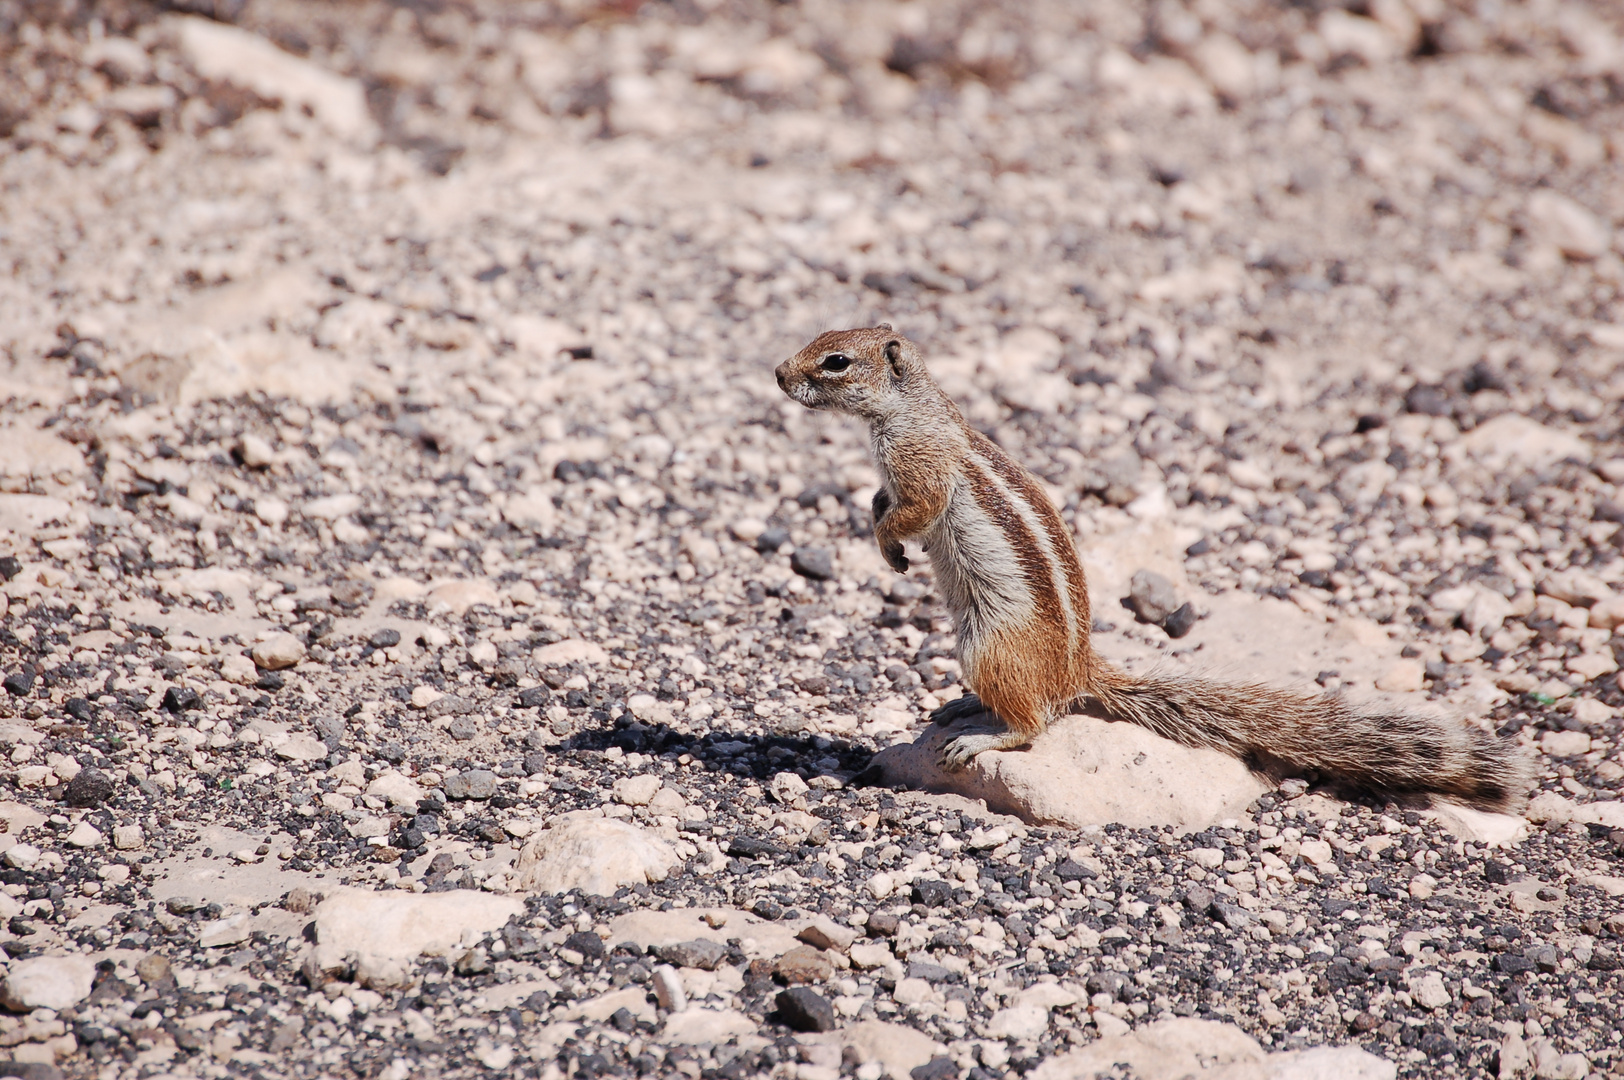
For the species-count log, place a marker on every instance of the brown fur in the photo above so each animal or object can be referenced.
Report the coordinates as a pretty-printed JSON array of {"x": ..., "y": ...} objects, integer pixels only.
[{"x": 1010, "y": 576}]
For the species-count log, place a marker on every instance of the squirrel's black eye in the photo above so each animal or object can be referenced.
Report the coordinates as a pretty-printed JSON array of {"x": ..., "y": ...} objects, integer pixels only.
[{"x": 835, "y": 362}]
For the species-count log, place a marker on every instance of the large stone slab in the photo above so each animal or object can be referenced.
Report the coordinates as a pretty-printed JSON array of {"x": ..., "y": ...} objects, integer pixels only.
[
  {"x": 402, "y": 926},
  {"x": 1175, "y": 1049},
  {"x": 1085, "y": 771}
]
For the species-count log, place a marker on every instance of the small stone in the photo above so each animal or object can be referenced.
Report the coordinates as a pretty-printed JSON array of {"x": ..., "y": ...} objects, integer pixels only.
[
  {"x": 587, "y": 943},
  {"x": 747, "y": 530},
  {"x": 85, "y": 835},
  {"x": 154, "y": 970},
  {"x": 476, "y": 784},
  {"x": 1557, "y": 220},
  {"x": 701, "y": 954},
  {"x": 668, "y": 989},
  {"x": 931, "y": 892},
  {"x": 823, "y": 932},
  {"x": 89, "y": 789},
  {"x": 278, "y": 651},
  {"x": 300, "y": 901},
  {"x": 804, "y": 964},
  {"x": 179, "y": 699},
  {"x": 1404, "y": 677},
  {"x": 815, "y": 563},
  {"x": 533, "y": 698},
  {"x": 1565, "y": 743},
  {"x": 883, "y": 924},
  {"x": 636, "y": 790},
  {"x": 1430, "y": 992},
  {"x": 302, "y": 748},
  {"x": 182, "y": 905},
  {"x": 1020, "y": 1022},
  {"x": 231, "y": 930},
  {"x": 473, "y": 962},
  {"x": 48, "y": 982},
  {"x": 271, "y": 510},
  {"x": 128, "y": 837},
  {"x": 255, "y": 452},
  {"x": 804, "y": 1009},
  {"x": 787, "y": 788},
  {"x": 1180, "y": 621},
  {"x": 239, "y": 670},
  {"x": 1152, "y": 596},
  {"x": 20, "y": 683}
]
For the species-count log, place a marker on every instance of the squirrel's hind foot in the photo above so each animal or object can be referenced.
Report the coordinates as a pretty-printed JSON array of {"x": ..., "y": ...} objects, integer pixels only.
[{"x": 960, "y": 750}]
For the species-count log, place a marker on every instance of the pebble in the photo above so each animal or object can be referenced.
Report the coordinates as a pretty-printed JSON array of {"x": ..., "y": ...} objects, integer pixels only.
[
  {"x": 668, "y": 989},
  {"x": 815, "y": 563},
  {"x": 85, "y": 835},
  {"x": 278, "y": 652},
  {"x": 804, "y": 1009},
  {"x": 1403, "y": 677},
  {"x": 476, "y": 784},
  {"x": 635, "y": 790},
  {"x": 804, "y": 964},
  {"x": 704, "y": 955},
  {"x": 1153, "y": 596},
  {"x": 88, "y": 789}
]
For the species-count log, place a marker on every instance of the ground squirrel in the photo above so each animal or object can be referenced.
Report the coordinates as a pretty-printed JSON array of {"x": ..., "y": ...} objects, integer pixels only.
[{"x": 1008, "y": 573}]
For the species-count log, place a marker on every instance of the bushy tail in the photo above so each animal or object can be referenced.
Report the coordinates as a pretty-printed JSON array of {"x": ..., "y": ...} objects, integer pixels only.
[{"x": 1388, "y": 754}]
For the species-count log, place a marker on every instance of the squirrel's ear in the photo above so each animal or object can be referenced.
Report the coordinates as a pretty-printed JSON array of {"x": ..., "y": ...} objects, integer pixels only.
[
  {"x": 893, "y": 357},
  {"x": 883, "y": 326}
]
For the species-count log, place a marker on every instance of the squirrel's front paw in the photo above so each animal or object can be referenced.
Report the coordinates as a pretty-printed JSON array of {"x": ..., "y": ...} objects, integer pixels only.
[{"x": 895, "y": 558}]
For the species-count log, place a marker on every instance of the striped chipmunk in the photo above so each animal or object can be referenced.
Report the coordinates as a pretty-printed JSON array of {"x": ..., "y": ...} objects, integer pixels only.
[{"x": 1007, "y": 571}]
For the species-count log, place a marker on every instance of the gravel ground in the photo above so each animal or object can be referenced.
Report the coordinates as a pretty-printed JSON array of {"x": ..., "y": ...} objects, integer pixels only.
[{"x": 391, "y": 464}]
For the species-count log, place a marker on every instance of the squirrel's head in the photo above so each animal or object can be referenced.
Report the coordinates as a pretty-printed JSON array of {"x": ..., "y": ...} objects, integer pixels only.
[{"x": 869, "y": 372}]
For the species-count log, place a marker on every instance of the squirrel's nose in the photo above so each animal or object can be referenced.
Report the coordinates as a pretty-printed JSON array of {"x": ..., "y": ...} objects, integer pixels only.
[{"x": 783, "y": 383}]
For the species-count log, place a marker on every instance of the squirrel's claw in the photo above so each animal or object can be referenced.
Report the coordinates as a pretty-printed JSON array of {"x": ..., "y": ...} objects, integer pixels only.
[
  {"x": 959, "y": 751},
  {"x": 957, "y": 709},
  {"x": 895, "y": 558}
]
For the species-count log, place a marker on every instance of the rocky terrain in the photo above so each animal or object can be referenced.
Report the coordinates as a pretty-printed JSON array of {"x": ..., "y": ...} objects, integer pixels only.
[{"x": 433, "y": 647}]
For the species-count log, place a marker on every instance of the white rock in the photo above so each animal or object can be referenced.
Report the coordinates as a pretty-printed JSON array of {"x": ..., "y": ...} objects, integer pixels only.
[
  {"x": 22, "y": 856},
  {"x": 1405, "y": 676},
  {"x": 570, "y": 651},
  {"x": 1430, "y": 992},
  {"x": 85, "y": 835},
  {"x": 881, "y": 885},
  {"x": 788, "y": 788},
  {"x": 1510, "y": 438},
  {"x": 1182, "y": 1047},
  {"x": 463, "y": 593},
  {"x": 1109, "y": 1025},
  {"x": 1565, "y": 743},
  {"x": 403, "y": 925},
  {"x": 231, "y": 930},
  {"x": 332, "y": 507},
  {"x": 239, "y": 669},
  {"x": 1018, "y": 1022},
  {"x": 899, "y": 1050},
  {"x": 397, "y": 789},
  {"x": 128, "y": 837},
  {"x": 303, "y": 748},
  {"x": 1085, "y": 771},
  {"x": 704, "y": 1027},
  {"x": 255, "y": 452},
  {"x": 636, "y": 790},
  {"x": 271, "y": 510},
  {"x": 229, "y": 55},
  {"x": 48, "y": 982},
  {"x": 594, "y": 854},
  {"x": 1558, "y": 221},
  {"x": 278, "y": 651},
  {"x": 748, "y": 530}
]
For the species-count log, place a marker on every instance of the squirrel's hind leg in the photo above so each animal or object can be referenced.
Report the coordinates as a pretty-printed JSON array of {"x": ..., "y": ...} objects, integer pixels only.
[{"x": 957, "y": 709}]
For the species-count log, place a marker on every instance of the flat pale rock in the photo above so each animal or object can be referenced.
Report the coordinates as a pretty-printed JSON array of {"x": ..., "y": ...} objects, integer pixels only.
[
  {"x": 396, "y": 789},
  {"x": 460, "y": 595},
  {"x": 1085, "y": 771},
  {"x": 403, "y": 926},
  {"x": 652, "y": 929},
  {"x": 28, "y": 452},
  {"x": 594, "y": 854},
  {"x": 1531, "y": 445},
  {"x": 302, "y": 748},
  {"x": 48, "y": 982},
  {"x": 570, "y": 651},
  {"x": 899, "y": 1049},
  {"x": 1171, "y": 1049},
  {"x": 706, "y": 1027},
  {"x": 24, "y": 513},
  {"x": 332, "y": 507},
  {"x": 229, "y": 55}
]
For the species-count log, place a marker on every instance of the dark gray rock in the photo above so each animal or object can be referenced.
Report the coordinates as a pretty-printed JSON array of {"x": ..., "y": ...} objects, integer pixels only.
[
  {"x": 705, "y": 955},
  {"x": 804, "y": 1009},
  {"x": 473, "y": 784}
]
